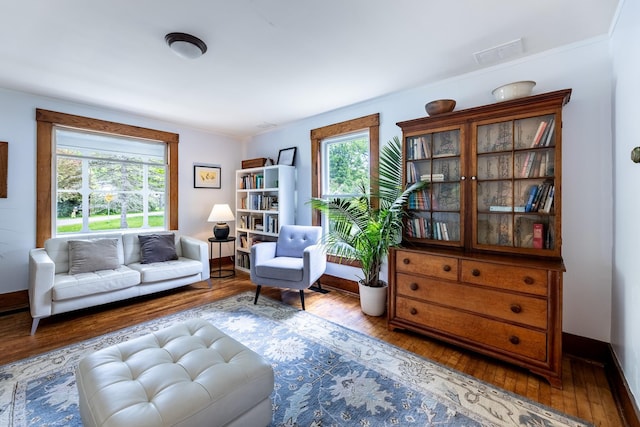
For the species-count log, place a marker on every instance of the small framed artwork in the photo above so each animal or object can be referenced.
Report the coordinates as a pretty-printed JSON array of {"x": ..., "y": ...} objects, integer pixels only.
[
  {"x": 287, "y": 156},
  {"x": 206, "y": 176}
]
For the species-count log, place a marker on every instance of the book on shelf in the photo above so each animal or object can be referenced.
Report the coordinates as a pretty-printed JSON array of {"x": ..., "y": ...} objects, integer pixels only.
[
  {"x": 538, "y": 235},
  {"x": 495, "y": 208},
  {"x": 533, "y": 191},
  {"x": 548, "y": 203},
  {"x": 418, "y": 148},
  {"x": 538, "y": 136},
  {"x": 419, "y": 200},
  {"x": 548, "y": 136},
  {"x": 541, "y": 197},
  {"x": 432, "y": 177}
]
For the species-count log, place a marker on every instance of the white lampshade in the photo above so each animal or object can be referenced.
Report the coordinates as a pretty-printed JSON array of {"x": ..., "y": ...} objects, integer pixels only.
[{"x": 221, "y": 213}]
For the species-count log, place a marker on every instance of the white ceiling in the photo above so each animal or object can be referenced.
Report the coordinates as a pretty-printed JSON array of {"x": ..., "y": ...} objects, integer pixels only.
[{"x": 269, "y": 62}]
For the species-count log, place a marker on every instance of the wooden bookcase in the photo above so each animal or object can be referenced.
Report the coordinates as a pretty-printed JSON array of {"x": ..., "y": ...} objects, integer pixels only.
[
  {"x": 481, "y": 261},
  {"x": 265, "y": 200}
]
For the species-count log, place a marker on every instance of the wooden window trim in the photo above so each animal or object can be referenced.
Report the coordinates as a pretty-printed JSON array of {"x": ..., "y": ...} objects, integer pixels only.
[
  {"x": 370, "y": 122},
  {"x": 46, "y": 120}
]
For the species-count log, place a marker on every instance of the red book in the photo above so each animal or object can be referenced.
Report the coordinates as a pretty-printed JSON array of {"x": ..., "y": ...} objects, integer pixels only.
[{"x": 538, "y": 235}]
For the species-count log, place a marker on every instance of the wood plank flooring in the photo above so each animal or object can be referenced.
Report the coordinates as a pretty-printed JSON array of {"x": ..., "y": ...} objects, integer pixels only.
[{"x": 586, "y": 393}]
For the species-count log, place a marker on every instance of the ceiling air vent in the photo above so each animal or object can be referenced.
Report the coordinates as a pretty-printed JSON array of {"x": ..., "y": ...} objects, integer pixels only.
[{"x": 499, "y": 53}]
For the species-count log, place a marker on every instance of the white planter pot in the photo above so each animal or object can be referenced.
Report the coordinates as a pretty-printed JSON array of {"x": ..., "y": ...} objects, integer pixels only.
[{"x": 373, "y": 301}]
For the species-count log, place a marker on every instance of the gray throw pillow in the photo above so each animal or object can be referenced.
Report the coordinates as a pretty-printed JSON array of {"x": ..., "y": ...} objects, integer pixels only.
[
  {"x": 157, "y": 247},
  {"x": 93, "y": 255}
]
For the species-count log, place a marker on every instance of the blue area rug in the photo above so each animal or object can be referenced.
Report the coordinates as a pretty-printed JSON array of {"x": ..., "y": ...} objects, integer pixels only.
[{"x": 326, "y": 375}]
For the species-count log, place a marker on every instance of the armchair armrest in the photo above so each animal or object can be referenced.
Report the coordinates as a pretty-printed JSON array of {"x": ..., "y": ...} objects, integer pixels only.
[
  {"x": 197, "y": 250},
  {"x": 315, "y": 263},
  {"x": 41, "y": 277},
  {"x": 260, "y": 253}
]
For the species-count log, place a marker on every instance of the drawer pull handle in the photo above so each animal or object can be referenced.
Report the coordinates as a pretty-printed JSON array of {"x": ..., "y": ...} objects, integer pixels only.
[
  {"x": 475, "y": 272},
  {"x": 446, "y": 267},
  {"x": 413, "y": 311},
  {"x": 516, "y": 308},
  {"x": 406, "y": 260},
  {"x": 528, "y": 280},
  {"x": 514, "y": 340},
  {"x": 414, "y": 286}
]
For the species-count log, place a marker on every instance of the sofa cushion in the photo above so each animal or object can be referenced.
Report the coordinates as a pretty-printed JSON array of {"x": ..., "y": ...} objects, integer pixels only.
[
  {"x": 174, "y": 269},
  {"x": 92, "y": 255},
  {"x": 68, "y": 286},
  {"x": 58, "y": 248},
  {"x": 283, "y": 268},
  {"x": 157, "y": 247}
]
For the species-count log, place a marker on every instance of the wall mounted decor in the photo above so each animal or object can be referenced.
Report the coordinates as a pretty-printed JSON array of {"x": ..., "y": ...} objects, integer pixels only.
[
  {"x": 205, "y": 176},
  {"x": 4, "y": 165},
  {"x": 287, "y": 156}
]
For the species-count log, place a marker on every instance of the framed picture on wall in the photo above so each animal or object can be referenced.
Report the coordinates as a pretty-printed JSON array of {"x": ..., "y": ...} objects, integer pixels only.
[
  {"x": 205, "y": 176},
  {"x": 287, "y": 156}
]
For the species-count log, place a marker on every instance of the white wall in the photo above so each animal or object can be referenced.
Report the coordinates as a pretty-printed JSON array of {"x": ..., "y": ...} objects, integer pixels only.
[
  {"x": 625, "y": 333},
  {"x": 587, "y": 180},
  {"x": 17, "y": 211}
]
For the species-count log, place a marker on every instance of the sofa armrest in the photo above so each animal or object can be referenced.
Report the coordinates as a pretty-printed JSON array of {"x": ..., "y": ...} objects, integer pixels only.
[
  {"x": 315, "y": 263},
  {"x": 197, "y": 250},
  {"x": 41, "y": 278}
]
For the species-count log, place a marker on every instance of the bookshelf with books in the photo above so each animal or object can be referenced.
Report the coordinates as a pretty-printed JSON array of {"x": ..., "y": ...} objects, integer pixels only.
[
  {"x": 265, "y": 198},
  {"x": 480, "y": 263}
]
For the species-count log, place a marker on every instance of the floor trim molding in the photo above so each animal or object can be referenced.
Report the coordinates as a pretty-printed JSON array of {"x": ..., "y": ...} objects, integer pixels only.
[{"x": 14, "y": 301}]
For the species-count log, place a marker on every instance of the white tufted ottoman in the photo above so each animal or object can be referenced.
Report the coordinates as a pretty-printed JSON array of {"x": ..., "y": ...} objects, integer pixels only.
[{"x": 190, "y": 374}]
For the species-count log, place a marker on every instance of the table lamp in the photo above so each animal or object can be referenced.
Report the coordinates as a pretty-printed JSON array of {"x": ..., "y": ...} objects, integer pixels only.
[{"x": 220, "y": 214}]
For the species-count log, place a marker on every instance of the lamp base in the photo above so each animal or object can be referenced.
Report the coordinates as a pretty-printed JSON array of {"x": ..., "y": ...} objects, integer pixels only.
[{"x": 221, "y": 231}]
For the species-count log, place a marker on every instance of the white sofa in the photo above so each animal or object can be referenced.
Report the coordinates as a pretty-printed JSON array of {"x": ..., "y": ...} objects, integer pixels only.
[{"x": 53, "y": 290}]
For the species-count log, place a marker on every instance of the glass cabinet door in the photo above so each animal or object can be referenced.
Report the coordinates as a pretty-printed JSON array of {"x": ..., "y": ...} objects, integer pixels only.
[
  {"x": 435, "y": 213},
  {"x": 514, "y": 183}
]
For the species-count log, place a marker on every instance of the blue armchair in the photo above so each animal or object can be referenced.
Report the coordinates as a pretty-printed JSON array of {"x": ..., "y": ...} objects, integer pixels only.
[{"x": 295, "y": 261}]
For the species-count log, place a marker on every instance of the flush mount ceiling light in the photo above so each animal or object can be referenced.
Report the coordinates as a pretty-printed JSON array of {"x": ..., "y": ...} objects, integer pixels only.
[{"x": 186, "y": 45}]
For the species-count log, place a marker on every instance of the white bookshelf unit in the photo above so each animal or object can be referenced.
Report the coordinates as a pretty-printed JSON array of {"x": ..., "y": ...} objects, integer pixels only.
[{"x": 265, "y": 200}]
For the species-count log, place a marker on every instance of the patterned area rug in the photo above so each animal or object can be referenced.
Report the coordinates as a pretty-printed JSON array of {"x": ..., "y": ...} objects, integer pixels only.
[{"x": 326, "y": 375}]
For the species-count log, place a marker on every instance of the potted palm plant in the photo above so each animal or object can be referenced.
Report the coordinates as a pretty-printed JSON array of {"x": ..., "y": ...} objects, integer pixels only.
[{"x": 363, "y": 227}]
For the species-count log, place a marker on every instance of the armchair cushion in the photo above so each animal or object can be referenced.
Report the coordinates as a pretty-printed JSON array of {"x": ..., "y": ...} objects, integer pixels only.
[{"x": 281, "y": 268}]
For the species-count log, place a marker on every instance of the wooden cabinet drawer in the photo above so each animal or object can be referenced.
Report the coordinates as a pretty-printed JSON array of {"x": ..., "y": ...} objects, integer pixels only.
[
  {"x": 522, "y": 309},
  {"x": 520, "y": 279},
  {"x": 428, "y": 265},
  {"x": 474, "y": 329}
]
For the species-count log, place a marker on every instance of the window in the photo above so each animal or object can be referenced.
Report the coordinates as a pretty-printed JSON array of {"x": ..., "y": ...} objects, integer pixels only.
[
  {"x": 105, "y": 182},
  {"x": 339, "y": 146},
  {"x": 94, "y": 192},
  {"x": 359, "y": 137}
]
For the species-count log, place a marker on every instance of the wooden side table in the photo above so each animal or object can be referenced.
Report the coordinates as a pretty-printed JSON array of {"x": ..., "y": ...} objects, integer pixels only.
[{"x": 220, "y": 273}]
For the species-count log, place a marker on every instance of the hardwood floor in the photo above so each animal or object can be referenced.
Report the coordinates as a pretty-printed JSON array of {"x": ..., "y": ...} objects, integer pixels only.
[{"x": 586, "y": 393}]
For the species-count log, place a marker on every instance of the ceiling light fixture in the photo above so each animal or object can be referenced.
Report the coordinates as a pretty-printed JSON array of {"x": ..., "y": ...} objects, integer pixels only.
[{"x": 186, "y": 45}]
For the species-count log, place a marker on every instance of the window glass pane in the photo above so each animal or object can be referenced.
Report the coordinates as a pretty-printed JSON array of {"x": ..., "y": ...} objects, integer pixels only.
[
  {"x": 69, "y": 173},
  {"x": 346, "y": 164},
  {"x": 115, "y": 176}
]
